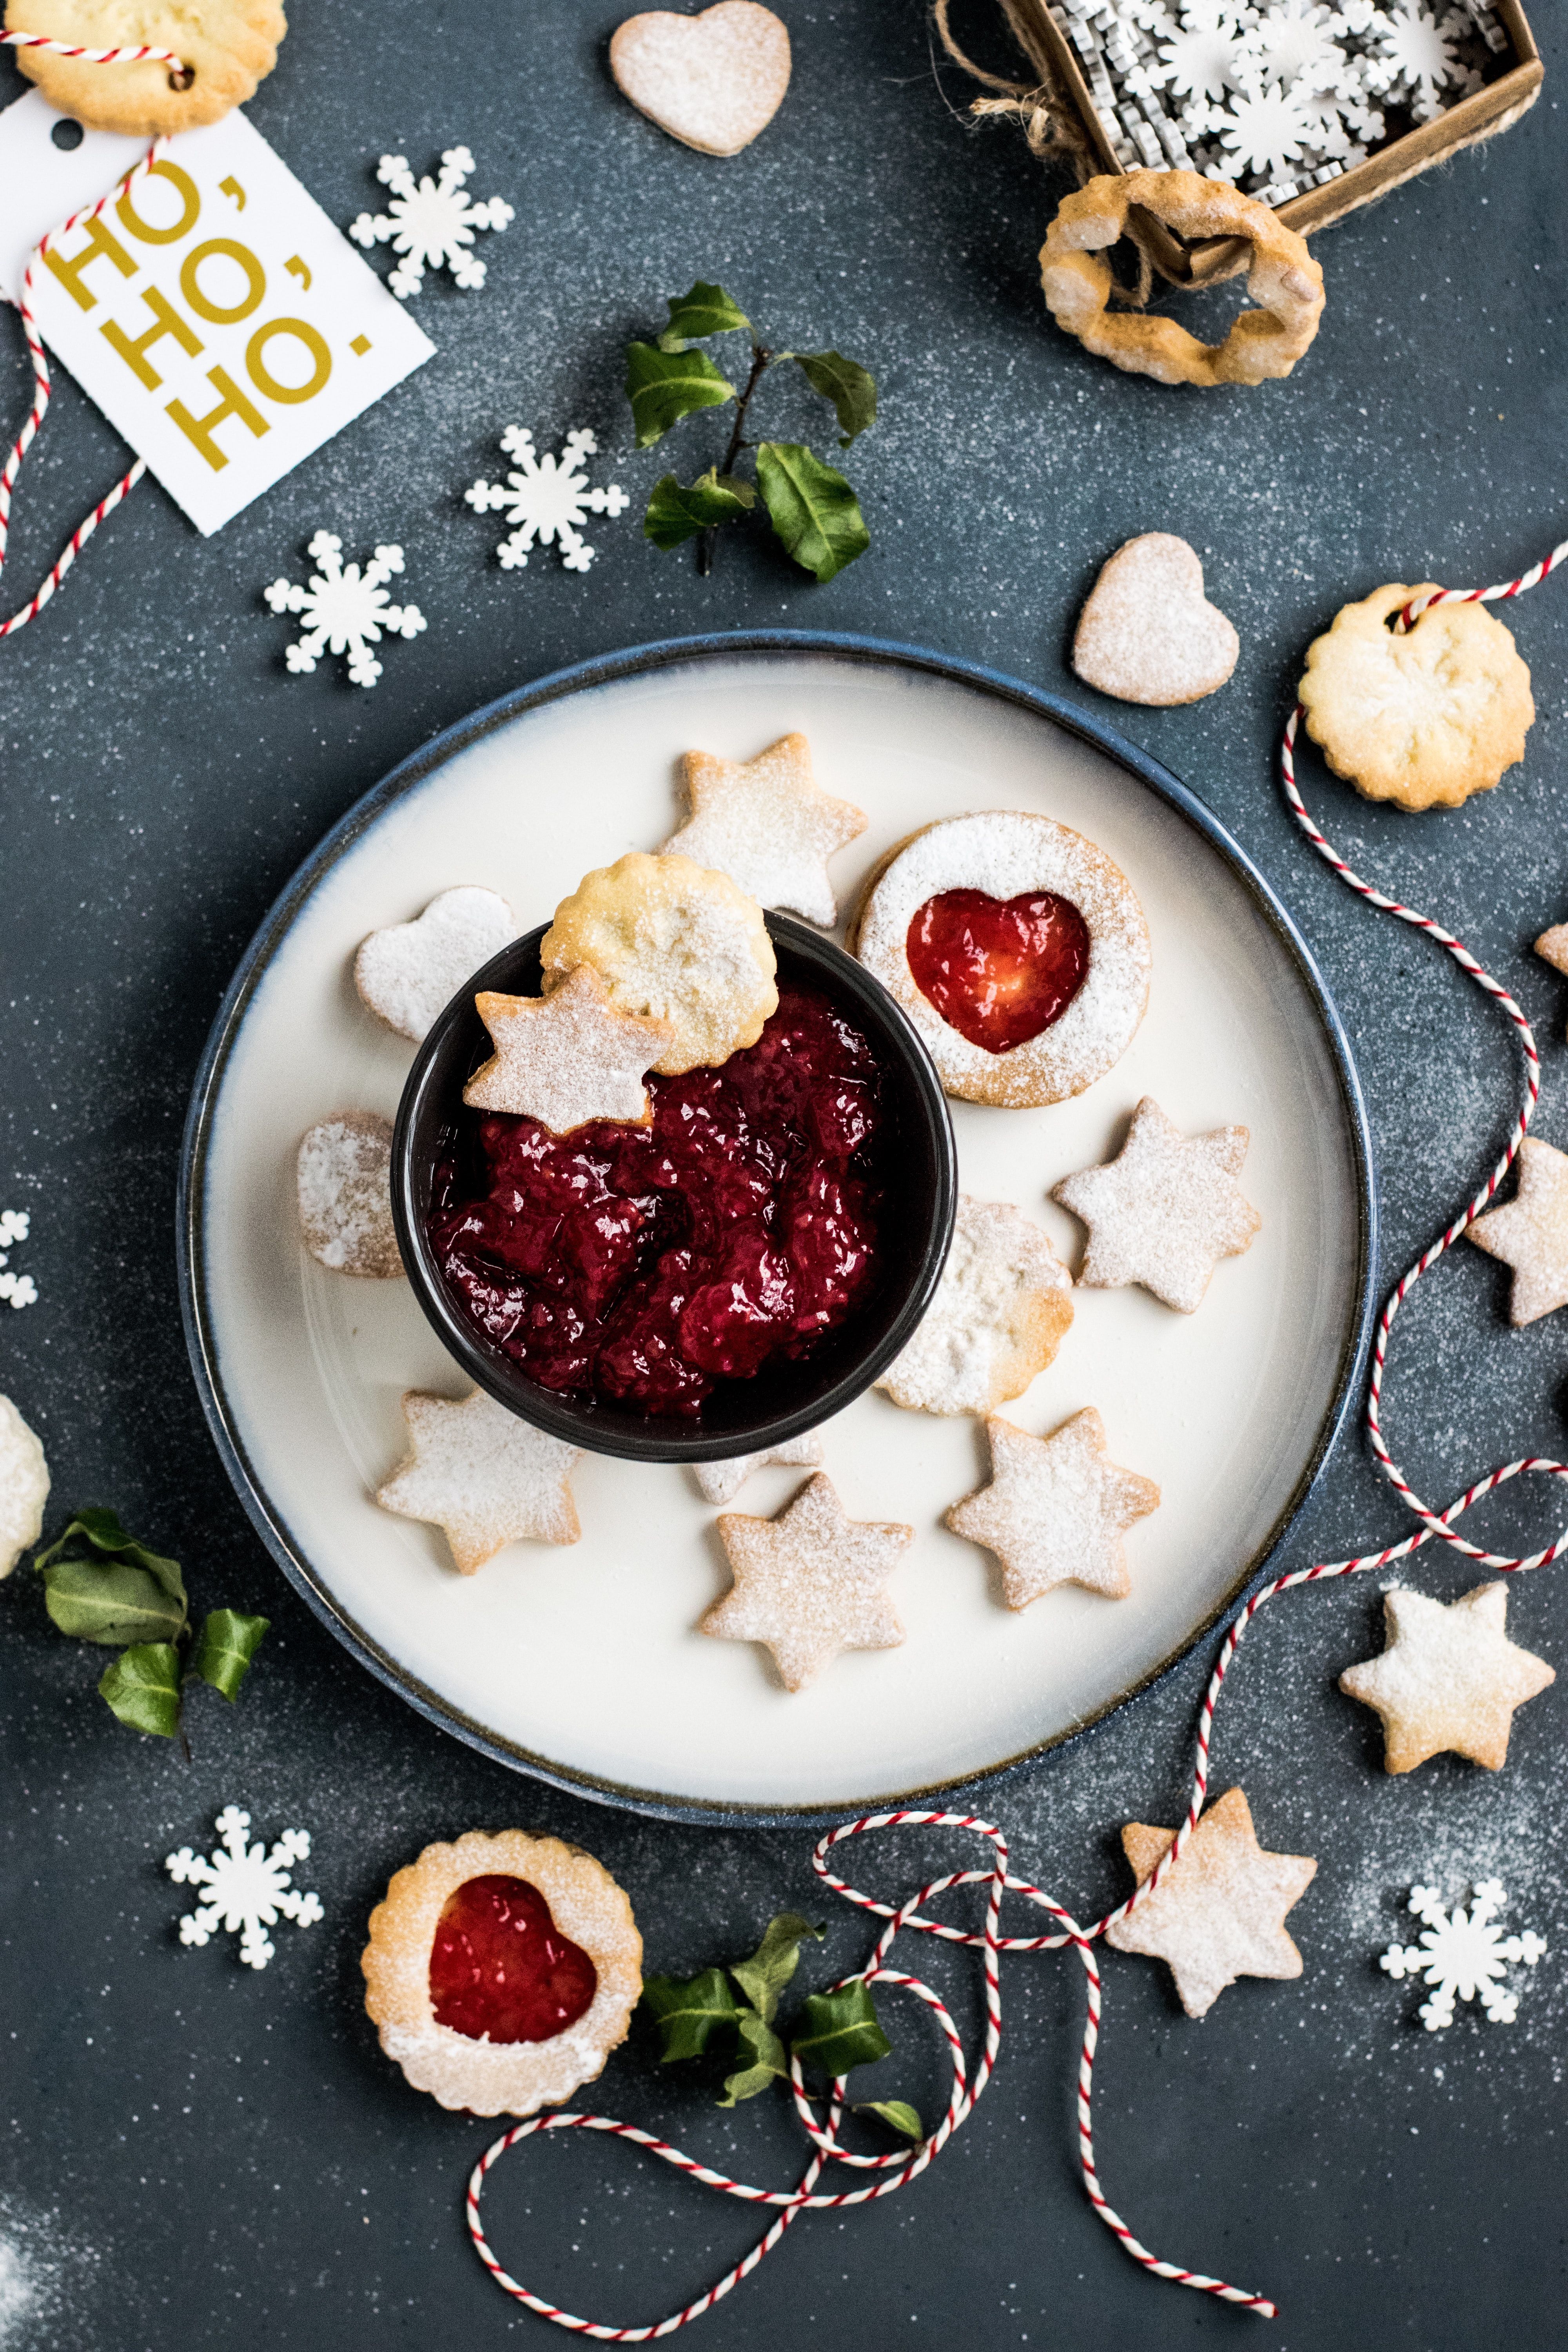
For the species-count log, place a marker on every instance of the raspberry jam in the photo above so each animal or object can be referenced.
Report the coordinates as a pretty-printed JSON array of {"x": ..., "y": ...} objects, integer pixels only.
[
  {"x": 999, "y": 969},
  {"x": 500, "y": 1968},
  {"x": 646, "y": 1265}
]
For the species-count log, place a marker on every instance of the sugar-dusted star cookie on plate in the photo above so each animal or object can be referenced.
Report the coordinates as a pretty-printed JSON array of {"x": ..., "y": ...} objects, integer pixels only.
[
  {"x": 567, "y": 1058},
  {"x": 1055, "y": 1510},
  {"x": 720, "y": 1482},
  {"x": 1164, "y": 1211},
  {"x": 809, "y": 1583},
  {"x": 1219, "y": 1912},
  {"x": 767, "y": 824},
  {"x": 483, "y": 1476},
  {"x": 1530, "y": 1233},
  {"x": 1449, "y": 1678}
]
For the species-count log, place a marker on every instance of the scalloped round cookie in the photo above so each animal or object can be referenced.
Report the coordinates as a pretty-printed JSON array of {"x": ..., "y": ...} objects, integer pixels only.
[{"x": 227, "y": 45}]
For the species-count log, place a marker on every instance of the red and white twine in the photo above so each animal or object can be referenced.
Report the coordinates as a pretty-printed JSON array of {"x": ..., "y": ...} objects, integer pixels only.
[
  {"x": 901, "y": 2168},
  {"x": 41, "y": 385}
]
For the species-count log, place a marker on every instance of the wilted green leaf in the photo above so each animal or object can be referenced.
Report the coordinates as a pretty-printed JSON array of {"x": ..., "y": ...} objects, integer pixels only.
[
  {"x": 761, "y": 2045},
  {"x": 764, "y": 1976},
  {"x": 143, "y": 1687},
  {"x": 225, "y": 1647},
  {"x": 99, "y": 1601},
  {"x": 812, "y": 508},
  {"x": 846, "y": 385},
  {"x": 96, "y": 1534},
  {"x": 664, "y": 386},
  {"x": 675, "y": 515},
  {"x": 706, "y": 311},
  {"x": 688, "y": 2012},
  {"x": 897, "y": 2112},
  {"x": 841, "y": 2030}
]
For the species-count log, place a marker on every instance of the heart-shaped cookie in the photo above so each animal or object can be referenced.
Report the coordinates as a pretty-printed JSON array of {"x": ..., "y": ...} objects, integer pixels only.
[
  {"x": 407, "y": 973},
  {"x": 1147, "y": 633},
  {"x": 712, "y": 81}
]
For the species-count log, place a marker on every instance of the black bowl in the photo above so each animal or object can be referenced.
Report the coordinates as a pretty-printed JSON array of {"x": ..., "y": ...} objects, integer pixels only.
[{"x": 782, "y": 1400}]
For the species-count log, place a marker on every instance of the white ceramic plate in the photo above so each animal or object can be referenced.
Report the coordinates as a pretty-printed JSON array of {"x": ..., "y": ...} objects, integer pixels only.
[{"x": 581, "y": 1662}]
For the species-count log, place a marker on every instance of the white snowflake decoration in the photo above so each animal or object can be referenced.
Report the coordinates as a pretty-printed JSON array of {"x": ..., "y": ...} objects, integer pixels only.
[
  {"x": 545, "y": 498},
  {"x": 431, "y": 222},
  {"x": 1265, "y": 130},
  {"x": 19, "y": 1288},
  {"x": 1463, "y": 1955},
  {"x": 248, "y": 1888},
  {"x": 346, "y": 610}
]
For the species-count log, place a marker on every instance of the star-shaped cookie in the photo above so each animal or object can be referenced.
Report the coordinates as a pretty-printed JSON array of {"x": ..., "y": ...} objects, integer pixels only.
[
  {"x": 566, "y": 1058},
  {"x": 1164, "y": 1211},
  {"x": 1449, "y": 1678},
  {"x": 1055, "y": 1510},
  {"x": 768, "y": 825},
  {"x": 1219, "y": 1912},
  {"x": 1530, "y": 1233},
  {"x": 720, "y": 1482},
  {"x": 483, "y": 1476},
  {"x": 809, "y": 1583}
]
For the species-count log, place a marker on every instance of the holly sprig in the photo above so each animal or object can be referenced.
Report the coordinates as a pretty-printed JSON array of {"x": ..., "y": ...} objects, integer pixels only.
[
  {"x": 103, "y": 1585},
  {"x": 812, "y": 508},
  {"x": 700, "y": 2017}
]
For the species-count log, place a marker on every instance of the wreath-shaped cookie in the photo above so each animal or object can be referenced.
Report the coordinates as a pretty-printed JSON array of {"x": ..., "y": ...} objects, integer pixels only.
[
  {"x": 502, "y": 1971},
  {"x": 1283, "y": 280},
  {"x": 227, "y": 48}
]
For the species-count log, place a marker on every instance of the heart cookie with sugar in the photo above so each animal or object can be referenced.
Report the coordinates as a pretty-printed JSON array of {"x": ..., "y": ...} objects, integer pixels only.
[
  {"x": 1148, "y": 633},
  {"x": 712, "y": 81}
]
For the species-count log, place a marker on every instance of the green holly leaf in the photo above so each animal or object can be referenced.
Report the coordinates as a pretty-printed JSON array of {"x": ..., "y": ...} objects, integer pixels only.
[
  {"x": 897, "y": 2112},
  {"x": 687, "y": 2013},
  {"x": 846, "y": 385},
  {"x": 665, "y": 386},
  {"x": 675, "y": 515},
  {"x": 764, "y": 1976},
  {"x": 706, "y": 311},
  {"x": 98, "y": 1602},
  {"x": 143, "y": 1687},
  {"x": 811, "y": 507},
  {"x": 841, "y": 2030},
  {"x": 760, "y": 2045},
  {"x": 96, "y": 1534},
  {"x": 225, "y": 1647}
]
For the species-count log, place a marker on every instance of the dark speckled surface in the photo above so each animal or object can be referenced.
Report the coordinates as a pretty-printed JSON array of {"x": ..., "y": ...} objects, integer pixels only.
[{"x": 192, "y": 2153}]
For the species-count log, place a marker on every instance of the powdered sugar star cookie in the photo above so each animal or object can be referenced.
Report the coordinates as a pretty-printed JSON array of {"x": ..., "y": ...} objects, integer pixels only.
[
  {"x": 565, "y": 1059},
  {"x": 1001, "y": 1307},
  {"x": 1448, "y": 1680},
  {"x": 1147, "y": 633},
  {"x": 483, "y": 1476},
  {"x": 344, "y": 1181},
  {"x": 24, "y": 1486},
  {"x": 1164, "y": 1211},
  {"x": 720, "y": 1482},
  {"x": 1530, "y": 1233},
  {"x": 409, "y": 972},
  {"x": 712, "y": 81},
  {"x": 809, "y": 1583},
  {"x": 768, "y": 825},
  {"x": 1055, "y": 1510},
  {"x": 1219, "y": 1913}
]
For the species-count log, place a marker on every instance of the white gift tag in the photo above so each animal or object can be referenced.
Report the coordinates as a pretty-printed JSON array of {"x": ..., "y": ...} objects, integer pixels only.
[{"x": 220, "y": 320}]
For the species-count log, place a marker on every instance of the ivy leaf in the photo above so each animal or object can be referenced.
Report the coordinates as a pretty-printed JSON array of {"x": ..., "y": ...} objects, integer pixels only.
[
  {"x": 760, "y": 2043},
  {"x": 841, "y": 2030},
  {"x": 764, "y": 1976},
  {"x": 706, "y": 311},
  {"x": 143, "y": 1687},
  {"x": 688, "y": 2013},
  {"x": 99, "y": 1601},
  {"x": 897, "y": 2112},
  {"x": 95, "y": 1533},
  {"x": 675, "y": 515},
  {"x": 846, "y": 385},
  {"x": 225, "y": 1647},
  {"x": 811, "y": 507},
  {"x": 665, "y": 386}
]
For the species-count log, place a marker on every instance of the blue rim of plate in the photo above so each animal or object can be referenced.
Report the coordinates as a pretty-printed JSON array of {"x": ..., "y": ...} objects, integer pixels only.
[{"x": 609, "y": 669}]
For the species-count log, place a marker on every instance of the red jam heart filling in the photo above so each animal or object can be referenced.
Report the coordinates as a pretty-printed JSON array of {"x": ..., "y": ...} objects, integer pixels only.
[
  {"x": 500, "y": 1968},
  {"x": 999, "y": 969}
]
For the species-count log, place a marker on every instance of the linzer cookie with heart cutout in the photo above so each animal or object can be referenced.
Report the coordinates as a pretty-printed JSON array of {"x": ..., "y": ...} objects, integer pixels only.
[
  {"x": 1016, "y": 946},
  {"x": 1147, "y": 633},
  {"x": 712, "y": 81}
]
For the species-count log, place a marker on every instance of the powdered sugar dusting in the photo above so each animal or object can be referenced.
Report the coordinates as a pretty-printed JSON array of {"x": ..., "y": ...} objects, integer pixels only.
[
  {"x": 565, "y": 1059},
  {"x": 720, "y": 1482},
  {"x": 1000, "y": 1310},
  {"x": 1055, "y": 1510},
  {"x": 1147, "y": 634},
  {"x": 1164, "y": 1211},
  {"x": 769, "y": 825},
  {"x": 483, "y": 1476},
  {"x": 344, "y": 1178},
  {"x": 809, "y": 1583},
  {"x": 409, "y": 972},
  {"x": 713, "y": 81}
]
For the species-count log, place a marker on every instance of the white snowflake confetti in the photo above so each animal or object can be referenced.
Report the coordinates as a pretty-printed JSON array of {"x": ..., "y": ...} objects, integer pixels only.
[
  {"x": 545, "y": 498},
  {"x": 1265, "y": 129},
  {"x": 18, "y": 1289},
  {"x": 1462, "y": 1955},
  {"x": 431, "y": 221},
  {"x": 346, "y": 610},
  {"x": 248, "y": 1888}
]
